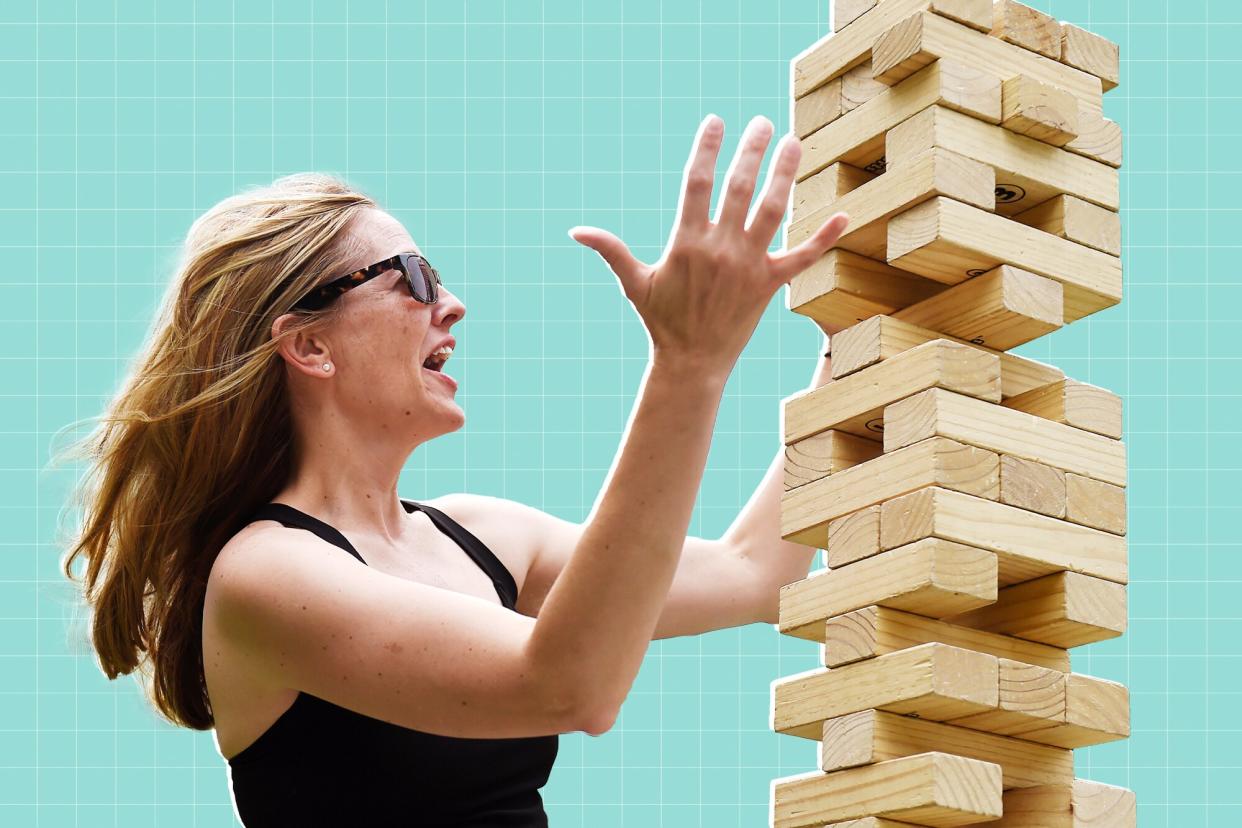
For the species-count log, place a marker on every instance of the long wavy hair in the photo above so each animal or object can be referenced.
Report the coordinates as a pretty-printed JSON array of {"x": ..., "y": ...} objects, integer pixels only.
[{"x": 200, "y": 433}]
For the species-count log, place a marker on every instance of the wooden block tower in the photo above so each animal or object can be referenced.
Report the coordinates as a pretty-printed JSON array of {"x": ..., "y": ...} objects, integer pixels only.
[{"x": 971, "y": 502}]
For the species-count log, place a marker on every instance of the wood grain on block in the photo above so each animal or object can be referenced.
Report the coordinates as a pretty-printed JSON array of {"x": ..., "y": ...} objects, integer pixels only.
[
  {"x": 1098, "y": 138},
  {"x": 842, "y": 288},
  {"x": 1091, "y": 53},
  {"x": 871, "y": 736},
  {"x": 868, "y": 822},
  {"x": 875, "y": 630},
  {"x": 833, "y": 54},
  {"x": 915, "y": 41},
  {"x": 1096, "y": 711},
  {"x": 932, "y": 577},
  {"x": 1024, "y": 26},
  {"x": 1081, "y": 804},
  {"x": 1074, "y": 403},
  {"x": 1097, "y": 805},
  {"x": 882, "y": 337},
  {"x": 932, "y": 789},
  {"x": 1028, "y": 171},
  {"x": 858, "y": 86},
  {"x": 1039, "y": 110},
  {"x": 855, "y": 403},
  {"x": 854, "y": 537},
  {"x": 858, "y": 138},
  {"x": 1079, "y": 221},
  {"x": 1095, "y": 503},
  {"x": 937, "y": 412},
  {"x": 1031, "y": 698},
  {"x": 821, "y": 106},
  {"x": 1065, "y": 609},
  {"x": 950, "y": 241},
  {"x": 1003, "y": 308},
  {"x": 1034, "y": 486},
  {"x": 825, "y": 187},
  {"x": 845, "y": 12},
  {"x": 1028, "y": 545},
  {"x": 933, "y": 681},
  {"x": 937, "y": 172},
  {"x": 807, "y": 510},
  {"x": 826, "y": 453}
]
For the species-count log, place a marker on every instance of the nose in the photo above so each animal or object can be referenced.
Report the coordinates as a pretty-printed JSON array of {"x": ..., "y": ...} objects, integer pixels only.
[{"x": 448, "y": 308}]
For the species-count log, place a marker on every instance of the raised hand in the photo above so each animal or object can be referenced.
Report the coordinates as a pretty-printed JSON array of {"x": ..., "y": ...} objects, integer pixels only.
[{"x": 702, "y": 300}]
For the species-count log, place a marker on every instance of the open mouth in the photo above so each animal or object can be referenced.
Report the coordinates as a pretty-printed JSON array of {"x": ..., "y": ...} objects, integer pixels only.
[{"x": 435, "y": 362}]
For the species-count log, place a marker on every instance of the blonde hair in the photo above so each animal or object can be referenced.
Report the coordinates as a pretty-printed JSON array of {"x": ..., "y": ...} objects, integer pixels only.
[{"x": 200, "y": 433}]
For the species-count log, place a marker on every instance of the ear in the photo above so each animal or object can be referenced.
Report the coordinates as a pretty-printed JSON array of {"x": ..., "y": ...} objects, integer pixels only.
[{"x": 305, "y": 351}]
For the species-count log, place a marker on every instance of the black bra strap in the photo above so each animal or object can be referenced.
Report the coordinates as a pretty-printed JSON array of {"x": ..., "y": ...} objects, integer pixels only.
[
  {"x": 506, "y": 587},
  {"x": 290, "y": 516}
]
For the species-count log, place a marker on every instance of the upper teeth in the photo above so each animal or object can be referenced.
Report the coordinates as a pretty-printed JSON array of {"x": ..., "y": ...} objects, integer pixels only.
[{"x": 444, "y": 351}]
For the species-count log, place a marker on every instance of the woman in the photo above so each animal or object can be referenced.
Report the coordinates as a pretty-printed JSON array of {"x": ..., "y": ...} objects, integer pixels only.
[{"x": 250, "y": 462}]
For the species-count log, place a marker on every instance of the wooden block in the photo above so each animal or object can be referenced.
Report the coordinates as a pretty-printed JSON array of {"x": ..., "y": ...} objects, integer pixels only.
[
  {"x": 1034, "y": 486},
  {"x": 1082, "y": 804},
  {"x": 1039, "y": 110},
  {"x": 949, "y": 241},
  {"x": 858, "y": 87},
  {"x": 1028, "y": 545},
  {"x": 825, "y": 187},
  {"x": 1079, "y": 221},
  {"x": 1098, "y": 138},
  {"x": 932, "y": 577},
  {"x": 937, "y": 412},
  {"x": 872, "y": 736},
  {"x": 833, "y": 54},
  {"x": 1028, "y": 172},
  {"x": 826, "y": 453},
  {"x": 845, "y": 12},
  {"x": 1024, "y": 26},
  {"x": 874, "y": 631},
  {"x": 1065, "y": 609},
  {"x": 858, "y": 139},
  {"x": 855, "y": 403},
  {"x": 1004, "y": 308},
  {"x": 1031, "y": 698},
  {"x": 1074, "y": 403},
  {"x": 883, "y": 337},
  {"x": 1096, "y": 711},
  {"x": 936, "y": 789},
  {"x": 819, "y": 107},
  {"x": 854, "y": 537},
  {"x": 1091, "y": 53},
  {"x": 913, "y": 42},
  {"x": 933, "y": 681},
  {"x": 807, "y": 510},
  {"x": 842, "y": 288},
  {"x": 1095, "y": 503},
  {"x": 868, "y": 822},
  {"x": 1097, "y": 805},
  {"x": 937, "y": 172}
]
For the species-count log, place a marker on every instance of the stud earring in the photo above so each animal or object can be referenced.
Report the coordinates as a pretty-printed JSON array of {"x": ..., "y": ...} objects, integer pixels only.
[{"x": 327, "y": 366}]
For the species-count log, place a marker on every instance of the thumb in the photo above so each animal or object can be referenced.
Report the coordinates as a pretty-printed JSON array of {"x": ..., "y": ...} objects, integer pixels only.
[{"x": 613, "y": 251}]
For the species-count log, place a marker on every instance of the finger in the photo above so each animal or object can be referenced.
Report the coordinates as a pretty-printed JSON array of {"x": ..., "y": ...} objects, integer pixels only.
[
  {"x": 615, "y": 253},
  {"x": 785, "y": 266},
  {"x": 696, "y": 190},
  {"x": 775, "y": 198},
  {"x": 740, "y": 182}
]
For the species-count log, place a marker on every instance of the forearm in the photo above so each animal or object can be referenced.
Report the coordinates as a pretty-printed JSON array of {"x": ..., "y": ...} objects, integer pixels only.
[
  {"x": 756, "y": 533},
  {"x": 598, "y": 619}
]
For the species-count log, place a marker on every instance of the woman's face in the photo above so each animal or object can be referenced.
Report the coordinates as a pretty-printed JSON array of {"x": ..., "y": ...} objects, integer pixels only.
[{"x": 383, "y": 336}]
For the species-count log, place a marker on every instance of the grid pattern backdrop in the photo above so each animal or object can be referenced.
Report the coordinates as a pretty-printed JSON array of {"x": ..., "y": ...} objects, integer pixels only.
[{"x": 489, "y": 127}]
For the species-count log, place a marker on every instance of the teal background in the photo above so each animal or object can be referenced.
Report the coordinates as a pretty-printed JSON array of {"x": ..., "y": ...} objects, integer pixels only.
[{"x": 490, "y": 128}]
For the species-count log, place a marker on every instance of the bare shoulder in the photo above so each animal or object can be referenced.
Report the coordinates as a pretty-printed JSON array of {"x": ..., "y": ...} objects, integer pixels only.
[{"x": 512, "y": 530}]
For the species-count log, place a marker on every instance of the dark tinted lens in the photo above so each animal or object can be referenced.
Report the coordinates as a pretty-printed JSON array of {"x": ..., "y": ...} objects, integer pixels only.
[{"x": 424, "y": 279}]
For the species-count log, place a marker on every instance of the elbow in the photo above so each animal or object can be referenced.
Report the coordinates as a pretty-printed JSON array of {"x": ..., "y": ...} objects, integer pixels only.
[{"x": 598, "y": 719}]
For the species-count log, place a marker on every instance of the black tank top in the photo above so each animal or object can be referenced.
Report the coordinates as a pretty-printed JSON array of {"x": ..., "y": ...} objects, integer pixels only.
[{"x": 322, "y": 764}]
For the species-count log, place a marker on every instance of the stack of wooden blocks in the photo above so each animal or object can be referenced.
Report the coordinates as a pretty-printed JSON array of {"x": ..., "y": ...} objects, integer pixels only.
[{"x": 971, "y": 502}]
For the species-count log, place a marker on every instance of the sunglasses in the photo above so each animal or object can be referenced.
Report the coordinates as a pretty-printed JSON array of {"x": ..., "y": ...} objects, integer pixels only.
[{"x": 420, "y": 277}]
